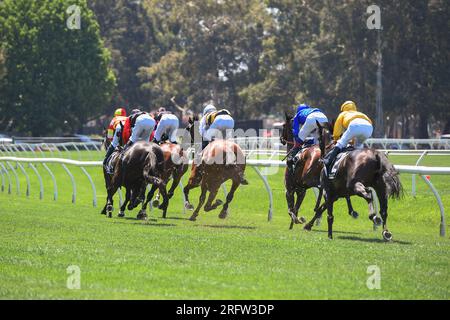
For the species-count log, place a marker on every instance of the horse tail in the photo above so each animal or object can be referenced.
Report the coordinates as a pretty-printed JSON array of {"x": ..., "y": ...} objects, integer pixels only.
[{"x": 390, "y": 176}]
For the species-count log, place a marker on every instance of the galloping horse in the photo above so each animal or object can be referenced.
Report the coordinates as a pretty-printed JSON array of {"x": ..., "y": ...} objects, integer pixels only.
[
  {"x": 141, "y": 164},
  {"x": 359, "y": 170},
  {"x": 306, "y": 175},
  {"x": 175, "y": 166},
  {"x": 221, "y": 160}
]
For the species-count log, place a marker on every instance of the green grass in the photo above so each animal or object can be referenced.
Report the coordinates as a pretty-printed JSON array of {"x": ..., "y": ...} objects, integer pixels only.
[{"x": 242, "y": 257}]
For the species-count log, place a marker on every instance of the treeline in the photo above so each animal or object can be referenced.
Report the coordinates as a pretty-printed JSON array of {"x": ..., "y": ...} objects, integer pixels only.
[{"x": 255, "y": 57}]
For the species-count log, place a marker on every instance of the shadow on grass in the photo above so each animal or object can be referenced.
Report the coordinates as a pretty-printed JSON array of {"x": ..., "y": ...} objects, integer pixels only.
[
  {"x": 227, "y": 226},
  {"x": 177, "y": 218},
  {"x": 373, "y": 240},
  {"x": 343, "y": 232}
]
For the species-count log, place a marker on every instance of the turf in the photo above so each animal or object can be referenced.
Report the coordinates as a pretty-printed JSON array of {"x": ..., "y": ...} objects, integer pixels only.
[{"x": 242, "y": 257}]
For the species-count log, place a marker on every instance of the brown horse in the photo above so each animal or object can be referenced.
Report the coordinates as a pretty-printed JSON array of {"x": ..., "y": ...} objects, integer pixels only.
[
  {"x": 175, "y": 166},
  {"x": 220, "y": 161},
  {"x": 359, "y": 170},
  {"x": 139, "y": 165},
  {"x": 306, "y": 175}
]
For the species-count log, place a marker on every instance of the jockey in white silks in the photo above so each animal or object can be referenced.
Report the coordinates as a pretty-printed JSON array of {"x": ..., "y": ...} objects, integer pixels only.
[{"x": 166, "y": 124}]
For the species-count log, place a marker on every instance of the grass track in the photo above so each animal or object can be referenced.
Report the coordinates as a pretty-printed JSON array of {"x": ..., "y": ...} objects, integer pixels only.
[{"x": 241, "y": 257}]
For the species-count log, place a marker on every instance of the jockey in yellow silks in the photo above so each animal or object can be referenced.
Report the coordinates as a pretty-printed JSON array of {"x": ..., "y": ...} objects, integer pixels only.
[{"x": 350, "y": 124}]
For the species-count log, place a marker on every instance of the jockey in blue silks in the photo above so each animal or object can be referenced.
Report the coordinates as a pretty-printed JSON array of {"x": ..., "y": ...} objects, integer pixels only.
[{"x": 304, "y": 125}]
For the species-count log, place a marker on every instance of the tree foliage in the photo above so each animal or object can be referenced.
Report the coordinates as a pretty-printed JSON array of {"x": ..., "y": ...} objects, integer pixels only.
[{"x": 56, "y": 77}]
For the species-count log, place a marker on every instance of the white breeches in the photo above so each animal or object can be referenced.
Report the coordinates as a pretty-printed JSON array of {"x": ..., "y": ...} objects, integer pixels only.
[
  {"x": 221, "y": 128},
  {"x": 309, "y": 129},
  {"x": 168, "y": 125},
  {"x": 360, "y": 129},
  {"x": 116, "y": 138},
  {"x": 143, "y": 128}
]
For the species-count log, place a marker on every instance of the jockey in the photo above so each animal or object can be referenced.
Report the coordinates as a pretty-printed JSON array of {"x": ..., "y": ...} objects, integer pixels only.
[
  {"x": 120, "y": 116},
  {"x": 138, "y": 127},
  {"x": 166, "y": 123},
  {"x": 213, "y": 122},
  {"x": 304, "y": 125},
  {"x": 349, "y": 124},
  {"x": 119, "y": 113}
]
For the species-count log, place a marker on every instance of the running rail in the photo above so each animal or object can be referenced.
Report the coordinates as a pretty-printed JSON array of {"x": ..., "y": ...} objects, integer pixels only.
[{"x": 254, "y": 163}]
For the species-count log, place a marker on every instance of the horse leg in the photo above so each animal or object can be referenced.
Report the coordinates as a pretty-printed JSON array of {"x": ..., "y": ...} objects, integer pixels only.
[
  {"x": 383, "y": 199},
  {"x": 351, "y": 212},
  {"x": 290, "y": 203},
  {"x": 201, "y": 201},
  {"x": 366, "y": 193},
  {"x": 212, "y": 195},
  {"x": 142, "y": 215},
  {"x": 330, "y": 217},
  {"x": 317, "y": 211},
  {"x": 300, "y": 197},
  {"x": 124, "y": 204},
  {"x": 194, "y": 182},
  {"x": 109, "y": 202},
  {"x": 155, "y": 203},
  {"x": 175, "y": 182},
  {"x": 224, "y": 212},
  {"x": 163, "y": 192}
]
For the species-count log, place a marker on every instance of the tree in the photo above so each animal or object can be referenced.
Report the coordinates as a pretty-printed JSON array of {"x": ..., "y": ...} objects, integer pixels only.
[{"x": 56, "y": 77}]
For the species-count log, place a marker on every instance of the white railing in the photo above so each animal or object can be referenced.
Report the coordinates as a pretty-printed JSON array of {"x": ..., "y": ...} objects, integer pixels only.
[
  {"x": 253, "y": 163},
  {"x": 385, "y": 143}
]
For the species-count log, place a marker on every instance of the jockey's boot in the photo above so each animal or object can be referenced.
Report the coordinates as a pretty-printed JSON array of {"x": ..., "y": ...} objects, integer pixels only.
[
  {"x": 329, "y": 158},
  {"x": 204, "y": 144},
  {"x": 155, "y": 141},
  {"x": 125, "y": 147},
  {"x": 108, "y": 154},
  {"x": 292, "y": 159}
]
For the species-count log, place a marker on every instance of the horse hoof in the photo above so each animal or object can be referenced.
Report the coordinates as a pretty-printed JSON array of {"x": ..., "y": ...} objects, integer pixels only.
[
  {"x": 301, "y": 220},
  {"x": 109, "y": 214},
  {"x": 155, "y": 203},
  {"x": 307, "y": 227},
  {"x": 223, "y": 215},
  {"x": 387, "y": 235},
  {"x": 354, "y": 214},
  {"x": 193, "y": 218},
  {"x": 377, "y": 221},
  {"x": 188, "y": 206},
  {"x": 142, "y": 215},
  {"x": 121, "y": 214}
]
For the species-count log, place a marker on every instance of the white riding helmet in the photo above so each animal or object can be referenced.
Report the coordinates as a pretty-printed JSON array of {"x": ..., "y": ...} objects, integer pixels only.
[{"x": 208, "y": 109}]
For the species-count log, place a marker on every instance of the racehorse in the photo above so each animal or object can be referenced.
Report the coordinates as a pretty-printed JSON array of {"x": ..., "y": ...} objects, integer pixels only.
[
  {"x": 359, "y": 170},
  {"x": 306, "y": 175},
  {"x": 221, "y": 160},
  {"x": 175, "y": 166},
  {"x": 139, "y": 165}
]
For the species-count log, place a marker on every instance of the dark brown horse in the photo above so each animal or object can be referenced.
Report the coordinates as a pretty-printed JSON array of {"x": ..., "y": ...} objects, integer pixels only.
[
  {"x": 176, "y": 163},
  {"x": 306, "y": 175},
  {"x": 360, "y": 170},
  {"x": 139, "y": 165},
  {"x": 220, "y": 161}
]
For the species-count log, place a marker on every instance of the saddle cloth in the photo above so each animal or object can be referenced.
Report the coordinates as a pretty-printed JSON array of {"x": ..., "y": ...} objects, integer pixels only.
[
  {"x": 109, "y": 162},
  {"x": 337, "y": 162}
]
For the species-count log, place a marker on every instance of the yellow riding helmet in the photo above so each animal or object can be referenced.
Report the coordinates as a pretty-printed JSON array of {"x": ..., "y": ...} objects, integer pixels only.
[
  {"x": 120, "y": 112},
  {"x": 348, "y": 106}
]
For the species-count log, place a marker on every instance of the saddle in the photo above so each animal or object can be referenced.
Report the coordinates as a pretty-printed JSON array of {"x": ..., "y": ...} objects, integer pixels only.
[
  {"x": 109, "y": 162},
  {"x": 337, "y": 162}
]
